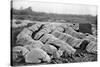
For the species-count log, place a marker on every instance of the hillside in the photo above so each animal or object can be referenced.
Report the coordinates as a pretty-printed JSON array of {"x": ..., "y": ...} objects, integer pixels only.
[{"x": 29, "y": 14}]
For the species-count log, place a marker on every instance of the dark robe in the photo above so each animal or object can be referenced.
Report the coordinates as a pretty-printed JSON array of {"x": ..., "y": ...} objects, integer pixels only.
[{"x": 85, "y": 28}]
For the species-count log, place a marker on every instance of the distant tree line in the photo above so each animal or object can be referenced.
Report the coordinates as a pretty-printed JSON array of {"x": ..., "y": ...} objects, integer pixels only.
[{"x": 28, "y": 13}]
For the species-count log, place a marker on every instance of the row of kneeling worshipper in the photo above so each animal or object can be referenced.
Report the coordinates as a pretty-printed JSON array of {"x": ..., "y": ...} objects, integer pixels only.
[
  {"x": 42, "y": 42},
  {"x": 80, "y": 27}
]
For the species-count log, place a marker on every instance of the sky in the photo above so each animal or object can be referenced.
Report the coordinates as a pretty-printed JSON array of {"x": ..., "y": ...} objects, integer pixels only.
[{"x": 58, "y": 8}]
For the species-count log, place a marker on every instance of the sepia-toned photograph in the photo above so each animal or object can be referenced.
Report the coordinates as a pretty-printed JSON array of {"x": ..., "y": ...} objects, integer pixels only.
[{"x": 44, "y": 33}]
